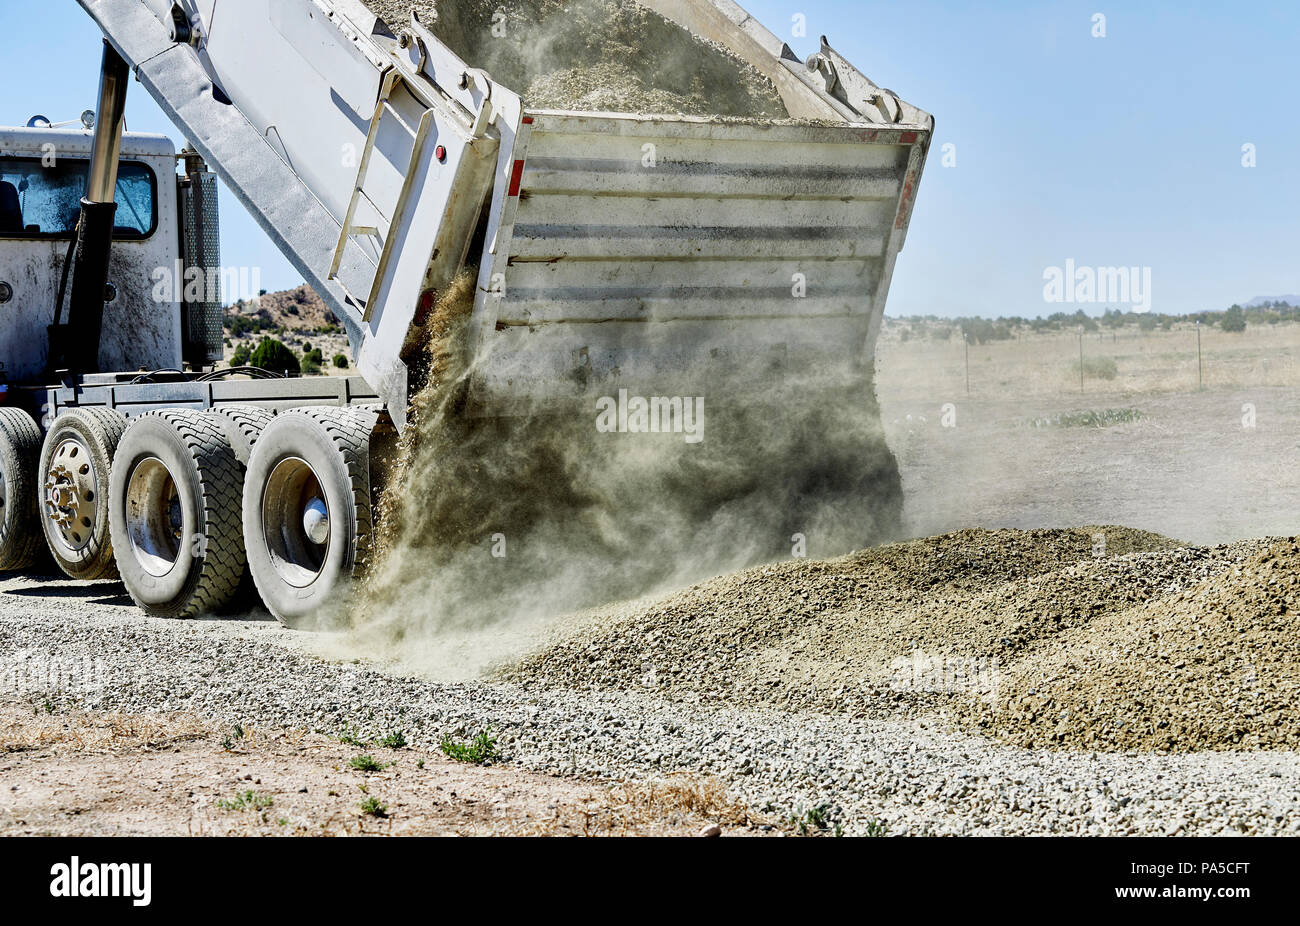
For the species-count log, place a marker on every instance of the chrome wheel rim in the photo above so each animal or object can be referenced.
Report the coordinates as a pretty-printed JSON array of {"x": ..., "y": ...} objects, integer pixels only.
[
  {"x": 70, "y": 495},
  {"x": 296, "y": 522},
  {"x": 155, "y": 520}
]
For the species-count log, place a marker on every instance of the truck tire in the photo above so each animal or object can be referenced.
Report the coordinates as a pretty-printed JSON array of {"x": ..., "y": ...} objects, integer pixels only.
[
  {"x": 174, "y": 507},
  {"x": 307, "y": 511},
  {"x": 243, "y": 424},
  {"x": 20, "y": 451},
  {"x": 76, "y": 460}
]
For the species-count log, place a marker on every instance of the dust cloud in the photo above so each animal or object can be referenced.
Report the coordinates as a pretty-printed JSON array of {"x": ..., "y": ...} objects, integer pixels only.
[{"x": 491, "y": 526}]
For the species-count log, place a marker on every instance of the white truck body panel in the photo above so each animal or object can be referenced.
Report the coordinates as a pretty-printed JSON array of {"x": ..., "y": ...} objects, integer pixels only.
[{"x": 759, "y": 249}]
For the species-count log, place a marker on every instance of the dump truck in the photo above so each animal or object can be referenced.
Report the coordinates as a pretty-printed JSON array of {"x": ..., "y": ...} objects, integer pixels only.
[{"x": 614, "y": 250}]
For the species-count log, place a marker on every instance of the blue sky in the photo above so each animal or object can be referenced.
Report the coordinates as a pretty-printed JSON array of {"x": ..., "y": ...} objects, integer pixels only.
[{"x": 1116, "y": 151}]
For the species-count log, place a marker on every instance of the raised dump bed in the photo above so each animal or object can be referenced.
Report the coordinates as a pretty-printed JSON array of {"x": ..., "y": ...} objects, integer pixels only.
[{"x": 639, "y": 250}]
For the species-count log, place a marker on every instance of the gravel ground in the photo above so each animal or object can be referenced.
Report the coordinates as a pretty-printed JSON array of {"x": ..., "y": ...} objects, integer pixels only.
[
  {"x": 912, "y": 777},
  {"x": 97, "y": 773}
]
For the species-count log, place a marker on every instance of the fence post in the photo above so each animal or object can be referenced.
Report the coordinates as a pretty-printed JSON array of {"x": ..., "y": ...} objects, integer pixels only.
[
  {"x": 966, "y": 341},
  {"x": 1081, "y": 362},
  {"x": 1200, "y": 365}
]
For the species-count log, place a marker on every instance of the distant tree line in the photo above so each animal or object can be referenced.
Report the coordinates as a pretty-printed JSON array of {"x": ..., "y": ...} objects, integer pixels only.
[{"x": 977, "y": 330}]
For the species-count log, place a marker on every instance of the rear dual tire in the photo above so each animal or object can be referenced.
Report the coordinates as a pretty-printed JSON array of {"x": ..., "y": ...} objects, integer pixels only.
[
  {"x": 20, "y": 450},
  {"x": 175, "y": 494},
  {"x": 307, "y": 511},
  {"x": 198, "y": 512}
]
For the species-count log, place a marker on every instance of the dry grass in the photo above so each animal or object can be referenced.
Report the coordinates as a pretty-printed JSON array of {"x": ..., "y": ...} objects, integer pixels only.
[
  {"x": 637, "y": 807},
  {"x": 1157, "y": 362},
  {"x": 98, "y": 733}
]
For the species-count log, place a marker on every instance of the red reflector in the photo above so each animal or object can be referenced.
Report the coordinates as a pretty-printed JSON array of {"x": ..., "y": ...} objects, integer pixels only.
[
  {"x": 907, "y": 138},
  {"x": 528, "y": 120},
  {"x": 517, "y": 178},
  {"x": 425, "y": 306},
  {"x": 440, "y": 152}
]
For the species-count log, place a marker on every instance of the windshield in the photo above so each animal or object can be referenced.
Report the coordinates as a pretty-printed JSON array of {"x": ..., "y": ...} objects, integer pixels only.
[{"x": 43, "y": 202}]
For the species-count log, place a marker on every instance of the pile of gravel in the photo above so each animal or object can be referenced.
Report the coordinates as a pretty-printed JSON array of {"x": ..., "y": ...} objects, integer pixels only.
[
  {"x": 1028, "y": 636},
  {"x": 594, "y": 56},
  {"x": 824, "y": 633},
  {"x": 1214, "y": 666}
]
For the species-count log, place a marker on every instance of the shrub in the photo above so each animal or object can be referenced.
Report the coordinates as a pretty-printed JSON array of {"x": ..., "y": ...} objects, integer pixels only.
[
  {"x": 340, "y": 361},
  {"x": 349, "y": 737},
  {"x": 481, "y": 750},
  {"x": 247, "y": 800},
  {"x": 1097, "y": 368},
  {"x": 1234, "y": 320},
  {"x": 312, "y": 361},
  {"x": 980, "y": 331},
  {"x": 240, "y": 325},
  {"x": 394, "y": 740},
  {"x": 366, "y": 764},
  {"x": 241, "y": 356},
  {"x": 274, "y": 356},
  {"x": 1089, "y": 418}
]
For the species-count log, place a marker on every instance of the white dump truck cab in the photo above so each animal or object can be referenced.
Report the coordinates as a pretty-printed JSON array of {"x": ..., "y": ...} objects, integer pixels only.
[
  {"x": 43, "y": 173},
  {"x": 42, "y": 179}
]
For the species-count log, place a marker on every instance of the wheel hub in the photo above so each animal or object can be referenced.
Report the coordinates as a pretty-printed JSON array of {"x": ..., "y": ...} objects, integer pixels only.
[
  {"x": 316, "y": 521},
  {"x": 295, "y": 521},
  {"x": 70, "y": 492},
  {"x": 154, "y": 517}
]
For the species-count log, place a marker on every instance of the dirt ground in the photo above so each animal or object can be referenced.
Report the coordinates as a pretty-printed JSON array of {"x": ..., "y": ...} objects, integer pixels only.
[
  {"x": 83, "y": 774},
  {"x": 1206, "y": 466}
]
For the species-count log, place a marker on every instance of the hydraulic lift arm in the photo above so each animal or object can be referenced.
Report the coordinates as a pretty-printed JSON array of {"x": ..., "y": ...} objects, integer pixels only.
[{"x": 74, "y": 345}]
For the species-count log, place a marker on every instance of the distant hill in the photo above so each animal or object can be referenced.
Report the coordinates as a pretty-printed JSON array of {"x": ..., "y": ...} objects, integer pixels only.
[
  {"x": 296, "y": 318},
  {"x": 294, "y": 310},
  {"x": 1269, "y": 300}
]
